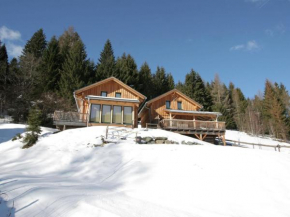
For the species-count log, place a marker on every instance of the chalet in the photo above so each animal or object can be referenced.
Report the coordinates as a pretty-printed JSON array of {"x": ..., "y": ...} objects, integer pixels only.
[
  {"x": 108, "y": 102},
  {"x": 176, "y": 112}
]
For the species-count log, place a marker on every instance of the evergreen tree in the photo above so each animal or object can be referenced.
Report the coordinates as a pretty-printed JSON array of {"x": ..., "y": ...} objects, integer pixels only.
[
  {"x": 34, "y": 121},
  {"x": 160, "y": 82},
  {"x": 170, "y": 80},
  {"x": 51, "y": 66},
  {"x": 3, "y": 77},
  {"x": 126, "y": 70},
  {"x": 145, "y": 81},
  {"x": 36, "y": 45},
  {"x": 73, "y": 70},
  {"x": 106, "y": 66}
]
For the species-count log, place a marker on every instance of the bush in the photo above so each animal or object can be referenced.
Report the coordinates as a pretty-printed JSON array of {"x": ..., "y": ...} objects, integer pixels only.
[
  {"x": 30, "y": 139},
  {"x": 17, "y": 136}
]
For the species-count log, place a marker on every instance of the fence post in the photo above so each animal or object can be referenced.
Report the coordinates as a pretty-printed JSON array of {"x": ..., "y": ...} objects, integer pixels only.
[{"x": 107, "y": 130}]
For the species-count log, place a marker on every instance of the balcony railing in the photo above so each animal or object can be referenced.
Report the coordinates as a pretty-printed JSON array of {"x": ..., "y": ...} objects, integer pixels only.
[
  {"x": 192, "y": 125},
  {"x": 69, "y": 118}
]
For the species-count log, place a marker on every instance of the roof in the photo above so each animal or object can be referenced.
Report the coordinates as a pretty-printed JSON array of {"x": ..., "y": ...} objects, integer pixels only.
[
  {"x": 111, "y": 79},
  {"x": 176, "y": 91},
  {"x": 194, "y": 112},
  {"x": 112, "y": 99}
]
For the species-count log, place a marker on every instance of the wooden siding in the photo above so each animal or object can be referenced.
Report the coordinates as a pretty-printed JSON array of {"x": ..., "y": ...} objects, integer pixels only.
[
  {"x": 111, "y": 87},
  {"x": 158, "y": 107}
]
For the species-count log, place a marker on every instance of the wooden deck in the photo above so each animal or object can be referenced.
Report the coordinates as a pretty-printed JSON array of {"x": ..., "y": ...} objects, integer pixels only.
[
  {"x": 69, "y": 119},
  {"x": 193, "y": 126}
]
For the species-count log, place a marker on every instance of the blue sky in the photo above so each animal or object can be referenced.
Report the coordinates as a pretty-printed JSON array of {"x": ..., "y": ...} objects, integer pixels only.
[{"x": 244, "y": 41}]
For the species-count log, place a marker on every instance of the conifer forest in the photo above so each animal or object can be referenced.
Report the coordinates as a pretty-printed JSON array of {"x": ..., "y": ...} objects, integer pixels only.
[{"x": 49, "y": 70}]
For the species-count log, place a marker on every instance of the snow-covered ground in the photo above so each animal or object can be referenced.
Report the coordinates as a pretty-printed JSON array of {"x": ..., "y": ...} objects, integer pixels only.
[
  {"x": 70, "y": 174},
  {"x": 244, "y": 138}
]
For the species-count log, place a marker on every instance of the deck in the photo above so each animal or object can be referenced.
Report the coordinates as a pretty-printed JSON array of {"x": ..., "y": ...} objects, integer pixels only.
[
  {"x": 69, "y": 119},
  {"x": 193, "y": 126}
]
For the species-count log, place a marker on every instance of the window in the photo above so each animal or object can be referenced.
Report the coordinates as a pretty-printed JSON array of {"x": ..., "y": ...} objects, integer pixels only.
[
  {"x": 167, "y": 104},
  {"x": 179, "y": 105},
  {"x": 95, "y": 113},
  {"x": 127, "y": 115},
  {"x": 117, "y": 114},
  {"x": 106, "y": 114},
  {"x": 104, "y": 93},
  {"x": 118, "y": 95}
]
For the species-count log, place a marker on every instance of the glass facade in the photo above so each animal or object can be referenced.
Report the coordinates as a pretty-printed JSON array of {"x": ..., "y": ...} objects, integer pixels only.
[
  {"x": 127, "y": 119},
  {"x": 117, "y": 114},
  {"x": 106, "y": 114},
  {"x": 95, "y": 113}
]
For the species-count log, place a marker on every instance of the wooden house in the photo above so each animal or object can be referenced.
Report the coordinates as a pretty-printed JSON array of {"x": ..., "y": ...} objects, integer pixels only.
[
  {"x": 176, "y": 112},
  {"x": 108, "y": 102}
]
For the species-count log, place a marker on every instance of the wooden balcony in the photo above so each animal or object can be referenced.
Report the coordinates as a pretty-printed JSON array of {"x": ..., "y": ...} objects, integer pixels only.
[
  {"x": 69, "y": 118},
  {"x": 193, "y": 126}
]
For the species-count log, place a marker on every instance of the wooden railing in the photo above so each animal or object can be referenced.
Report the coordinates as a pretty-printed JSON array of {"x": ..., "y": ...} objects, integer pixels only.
[
  {"x": 74, "y": 117},
  {"x": 192, "y": 124}
]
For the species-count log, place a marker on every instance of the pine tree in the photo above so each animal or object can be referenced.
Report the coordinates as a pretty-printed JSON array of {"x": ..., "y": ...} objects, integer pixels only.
[
  {"x": 3, "y": 77},
  {"x": 34, "y": 121},
  {"x": 73, "y": 70},
  {"x": 160, "y": 82},
  {"x": 126, "y": 70},
  {"x": 36, "y": 45},
  {"x": 145, "y": 81},
  {"x": 170, "y": 80},
  {"x": 51, "y": 66},
  {"x": 106, "y": 66}
]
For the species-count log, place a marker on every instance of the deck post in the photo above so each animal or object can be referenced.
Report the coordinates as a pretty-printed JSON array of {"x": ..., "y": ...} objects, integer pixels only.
[{"x": 170, "y": 115}]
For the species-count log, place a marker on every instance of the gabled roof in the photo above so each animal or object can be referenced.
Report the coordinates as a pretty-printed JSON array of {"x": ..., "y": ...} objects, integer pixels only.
[
  {"x": 179, "y": 93},
  {"x": 108, "y": 80}
]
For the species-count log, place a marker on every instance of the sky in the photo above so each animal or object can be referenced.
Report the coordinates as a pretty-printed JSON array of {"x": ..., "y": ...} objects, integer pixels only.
[{"x": 243, "y": 41}]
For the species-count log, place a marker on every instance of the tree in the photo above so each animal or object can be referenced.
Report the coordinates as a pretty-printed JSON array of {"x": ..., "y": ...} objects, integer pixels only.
[
  {"x": 106, "y": 65},
  {"x": 145, "y": 81},
  {"x": 126, "y": 70},
  {"x": 51, "y": 66},
  {"x": 73, "y": 70},
  {"x": 160, "y": 82},
  {"x": 34, "y": 121},
  {"x": 4, "y": 73},
  {"x": 36, "y": 45}
]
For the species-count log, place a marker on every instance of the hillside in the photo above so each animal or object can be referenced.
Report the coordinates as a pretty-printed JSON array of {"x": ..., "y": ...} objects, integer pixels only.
[{"x": 70, "y": 174}]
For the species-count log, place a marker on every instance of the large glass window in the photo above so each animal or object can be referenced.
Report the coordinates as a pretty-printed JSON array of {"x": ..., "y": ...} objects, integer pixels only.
[
  {"x": 104, "y": 93},
  {"x": 106, "y": 114},
  {"x": 117, "y": 114},
  {"x": 179, "y": 105},
  {"x": 167, "y": 104},
  {"x": 118, "y": 95},
  {"x": 128, "y": 115},
  {"x": 95, "y": 113}
]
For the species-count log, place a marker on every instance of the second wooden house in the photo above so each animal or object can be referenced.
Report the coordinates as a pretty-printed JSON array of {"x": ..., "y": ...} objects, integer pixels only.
[{"x": 174, "y": 111}]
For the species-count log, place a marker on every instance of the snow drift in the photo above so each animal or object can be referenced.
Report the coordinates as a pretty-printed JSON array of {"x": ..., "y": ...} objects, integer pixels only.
[{"x": 70, "y": 174}]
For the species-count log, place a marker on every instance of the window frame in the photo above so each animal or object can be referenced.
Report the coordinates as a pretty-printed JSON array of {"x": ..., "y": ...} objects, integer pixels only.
[
  {"x": 131, "y": 115},
  {"x": 167, "y": 101},
  {"x": 118, "y": 93},
  {"x": 105, "y": 93},
  {"x": 179, "y": 103},
  {"x": 113, "y": 121},
  {"x": 100, "y": 107},
  {"x": 110, "y": 115}
]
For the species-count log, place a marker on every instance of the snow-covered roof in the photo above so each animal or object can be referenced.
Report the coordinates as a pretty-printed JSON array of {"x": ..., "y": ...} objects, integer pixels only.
[
  {"x": 194, "y": 112},
  {"x": 112, "y": 99}
]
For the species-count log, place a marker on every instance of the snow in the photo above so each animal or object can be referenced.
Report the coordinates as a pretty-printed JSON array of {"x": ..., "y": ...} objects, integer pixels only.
[
  {"x": 241, "y": 137},
  {"x": 70, "y": 174}
]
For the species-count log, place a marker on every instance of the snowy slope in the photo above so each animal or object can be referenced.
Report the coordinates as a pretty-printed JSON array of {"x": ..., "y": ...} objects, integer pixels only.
[
  {"x": 64, "y": 174},
  {"x": 241, "y": 137}
]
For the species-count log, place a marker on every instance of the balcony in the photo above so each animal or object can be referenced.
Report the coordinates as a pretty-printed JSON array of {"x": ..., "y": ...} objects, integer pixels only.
[
  {"x": 211, "y": 127},
  {"x": 69, "y": 118}
]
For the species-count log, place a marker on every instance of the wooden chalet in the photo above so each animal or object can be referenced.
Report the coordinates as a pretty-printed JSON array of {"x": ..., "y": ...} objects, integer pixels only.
[
  {"x": 108, "y": 102},
  {"x": 176, "y": 112}
]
